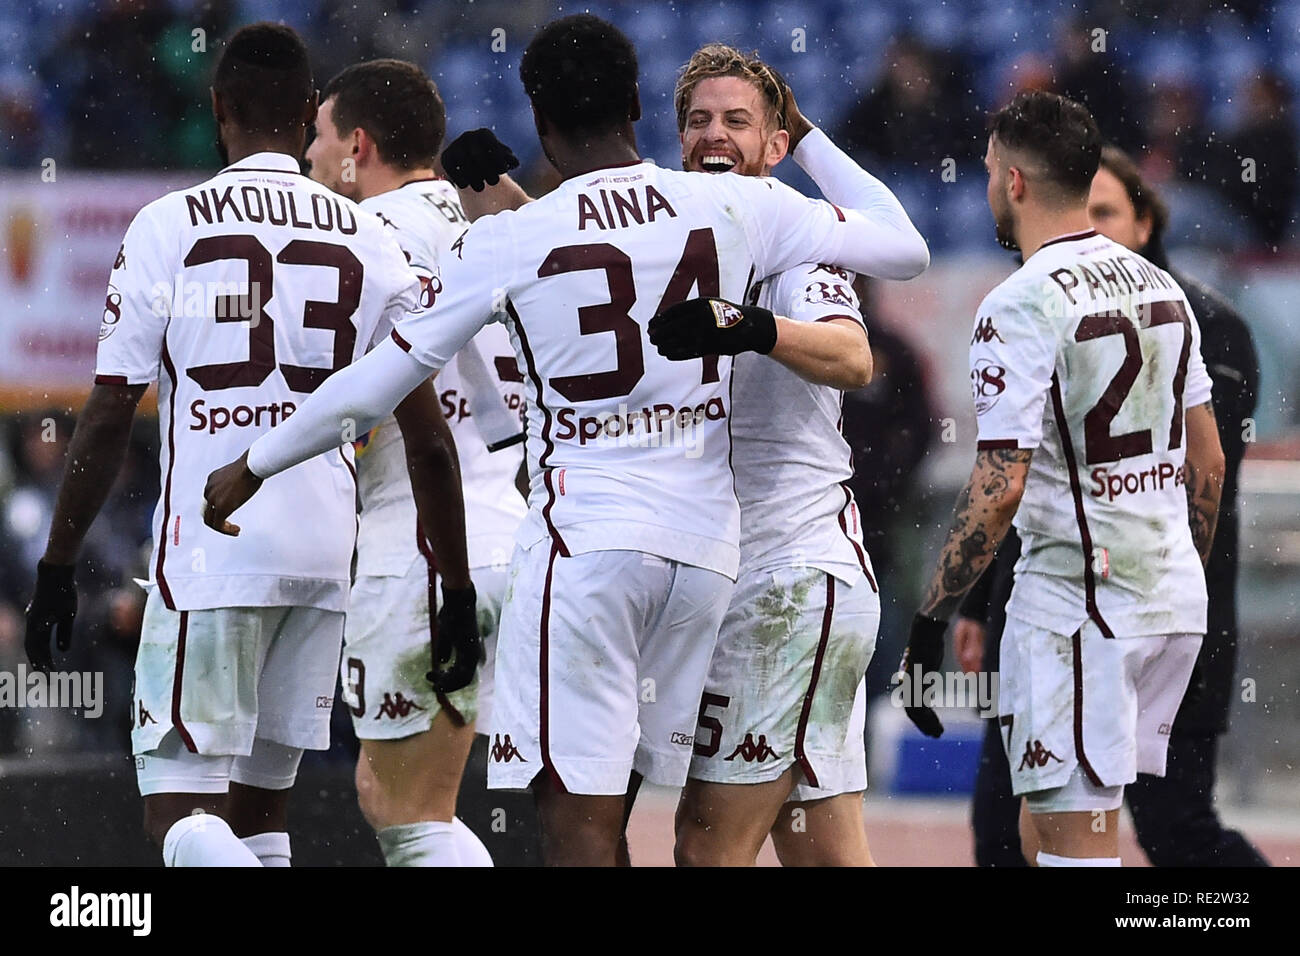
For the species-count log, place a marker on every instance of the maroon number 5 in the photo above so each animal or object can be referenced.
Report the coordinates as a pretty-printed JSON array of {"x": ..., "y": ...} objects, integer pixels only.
[{"x": 711, "y": 724}]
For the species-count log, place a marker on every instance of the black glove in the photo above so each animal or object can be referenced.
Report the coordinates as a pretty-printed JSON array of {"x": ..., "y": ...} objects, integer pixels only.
[
  {"x": 699, "y": 327},
  {"x": 475, "y": 158},
  {"x": 457, "y": 646},
  {"x": 924, "y": 655},
  {"x": 51, "y": 611}
]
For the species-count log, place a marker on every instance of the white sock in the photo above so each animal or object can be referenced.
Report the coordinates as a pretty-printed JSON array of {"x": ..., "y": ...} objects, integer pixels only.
[
  {"x": 419, "y": 844},
  {"x": 204, "y": 839},
  {"x": 1051, "y": 859},
  {"x": 272, "y": 849},
  {"x": 469, "y": 848}
]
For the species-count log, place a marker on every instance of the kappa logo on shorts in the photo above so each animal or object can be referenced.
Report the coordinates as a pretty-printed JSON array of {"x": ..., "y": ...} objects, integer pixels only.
[
  {"x": 504, "y": 750},
  {"x": 324, "y": 703},
  {"x": 145, "y": 717},
  {"x": 681, "y": 739},
  {"x": 750, "y": 751},
  {"x": 395, "y": 706},
  {"x": 1036, "y": 755}
]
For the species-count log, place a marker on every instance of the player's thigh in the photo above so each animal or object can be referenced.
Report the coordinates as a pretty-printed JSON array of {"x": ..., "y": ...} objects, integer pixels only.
[
  {"x": 387, "y": 655},
  {"x": 566, "y": 676},
  {"x": 414, "y": 778},
  {"x": 725, "y": 824},
  {"x": 825, "y": 832},
  {"x": 197, "y": 673}
]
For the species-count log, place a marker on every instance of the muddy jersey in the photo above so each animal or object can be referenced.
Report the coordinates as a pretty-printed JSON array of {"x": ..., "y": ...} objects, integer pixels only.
[
  {"x": 239, "y": 296},
  {"x": 425, "y": 217},
  {"x": 1090, "y": 355},
  {"x": 790, "y": 459}
]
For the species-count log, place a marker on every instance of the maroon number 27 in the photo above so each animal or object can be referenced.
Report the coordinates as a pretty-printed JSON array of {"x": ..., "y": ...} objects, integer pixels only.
[{"x": 1099, "y": 444}]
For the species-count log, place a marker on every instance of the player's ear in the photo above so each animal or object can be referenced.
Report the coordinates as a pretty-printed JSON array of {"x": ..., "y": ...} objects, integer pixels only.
[
  {"x": 1015, "y": 184},
  {"x": 539, "y": 122},
  {"x": 634, "y": 110},
  {"x": 778, "y": 147},
  {"x": 1144, "y": 227},
  {"x": 309, "y": 110},
  {"x": 218, "y": 107}
]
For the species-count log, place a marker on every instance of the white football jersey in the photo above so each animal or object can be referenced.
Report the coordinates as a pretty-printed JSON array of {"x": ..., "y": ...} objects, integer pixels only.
[
  {"x": 627, "y": 450},
  {"x": 240, "y": 296},
  {"x": 425, "y": 216},
  {"x": 1090, "y": 355},
  {"x": 790, "y": 459}
]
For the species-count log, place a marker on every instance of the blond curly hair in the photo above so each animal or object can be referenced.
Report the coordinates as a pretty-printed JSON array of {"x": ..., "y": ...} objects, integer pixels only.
[{"x": 719, "y": 59}]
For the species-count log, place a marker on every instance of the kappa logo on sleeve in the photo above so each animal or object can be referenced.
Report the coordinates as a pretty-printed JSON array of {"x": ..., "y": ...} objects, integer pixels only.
[
  {"x": 985, "y": 332},
  {"x": 725, "y": 314}
]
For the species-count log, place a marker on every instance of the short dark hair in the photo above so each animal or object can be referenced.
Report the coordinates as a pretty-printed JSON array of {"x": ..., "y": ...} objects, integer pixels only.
[
  {"x": 264, "y": 78},
  {"x": 1146, "y": 201},
  {"x": 580, "y": 73},
  {"x": 1058, "y": 131},
  {"x": 397, "y": 105}
]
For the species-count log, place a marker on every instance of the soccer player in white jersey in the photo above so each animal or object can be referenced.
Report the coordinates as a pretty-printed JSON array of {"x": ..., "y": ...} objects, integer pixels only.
[
  {"x": 379, "y": 128},
  {"x": 625, "y": 563},
  {"x": 240, "y": 296},
  {"x": 783, "y": 710},
  {"x": 1097, "y": 440}
]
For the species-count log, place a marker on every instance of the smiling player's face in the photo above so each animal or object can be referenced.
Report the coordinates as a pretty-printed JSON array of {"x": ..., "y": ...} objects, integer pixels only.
[{"x": 730, "y": 128}]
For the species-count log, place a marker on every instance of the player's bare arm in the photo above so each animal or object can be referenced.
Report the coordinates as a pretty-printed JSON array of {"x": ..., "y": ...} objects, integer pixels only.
[
  {"x": 1204, "y": 470},
  {"x": 980, "y": 520},
  {"x": 834, "y": 352},
  {"x": 95, "y": 457},
  {"x": 434, "y": 471}
]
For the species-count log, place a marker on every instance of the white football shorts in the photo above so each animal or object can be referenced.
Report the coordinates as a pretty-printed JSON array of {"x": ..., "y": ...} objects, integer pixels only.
[
  {"x": 600, "y": 666},
  {"x": 386, "y": 653},
  {"x": 1104, "y": 705},
  {"x": 786, "y": 686},
  {"x": 223, "y": 676}
]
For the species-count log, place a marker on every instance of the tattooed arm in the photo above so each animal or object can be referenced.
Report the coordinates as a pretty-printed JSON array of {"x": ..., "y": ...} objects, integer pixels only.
[
  {"x": 981, "y": 518},
  {"x": 1203, "y": 469}
]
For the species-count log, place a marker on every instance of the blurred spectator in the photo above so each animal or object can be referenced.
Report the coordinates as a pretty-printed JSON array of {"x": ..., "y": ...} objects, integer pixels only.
[
  {"x": 918, "y": 112},
  {"x": 1260, "y": 162},
  {"x": 1087, "y": 70},
  {"x": 1177, "y": 142}
]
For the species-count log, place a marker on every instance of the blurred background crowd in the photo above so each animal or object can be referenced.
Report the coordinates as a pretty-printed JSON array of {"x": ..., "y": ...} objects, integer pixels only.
[{"x": 1201, "y": 93}]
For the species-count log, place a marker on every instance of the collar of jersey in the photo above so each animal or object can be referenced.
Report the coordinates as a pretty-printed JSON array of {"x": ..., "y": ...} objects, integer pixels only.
[
  {"x": 268, "y": 161},
  {"x": 1070, "y": 237},
  {"x": 601, "y": 169}
]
